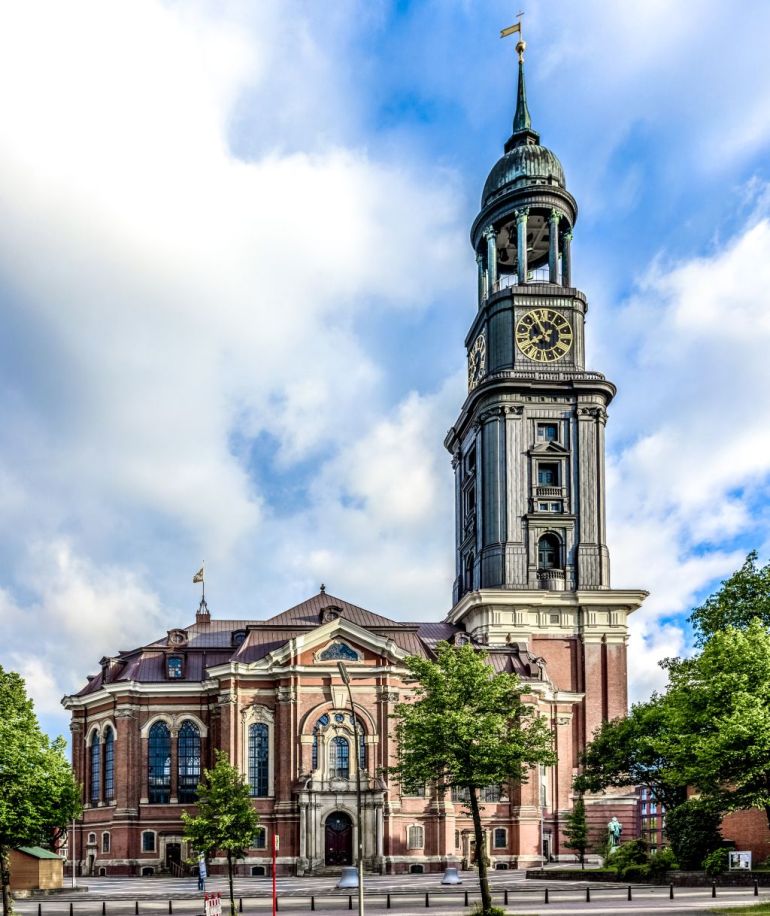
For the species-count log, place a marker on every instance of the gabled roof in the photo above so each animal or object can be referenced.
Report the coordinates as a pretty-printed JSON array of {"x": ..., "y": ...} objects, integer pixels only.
[{"x": 308, "y": 613}]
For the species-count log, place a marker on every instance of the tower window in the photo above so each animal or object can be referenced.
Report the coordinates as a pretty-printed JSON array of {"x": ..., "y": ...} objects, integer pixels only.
[
  {"x": 175, "y": 667},
  {"x": 469, "y": 563},
  {"x": 547, "y": 432},
  {"x": 548, "y": 474},
  {"x": 549, "y": 552}
]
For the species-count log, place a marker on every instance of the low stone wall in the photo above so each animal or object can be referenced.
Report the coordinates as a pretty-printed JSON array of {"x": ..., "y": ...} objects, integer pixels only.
[{"x": 677, "y": 878}]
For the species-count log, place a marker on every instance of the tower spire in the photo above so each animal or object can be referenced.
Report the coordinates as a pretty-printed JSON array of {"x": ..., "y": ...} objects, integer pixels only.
[{"x": 522, "y": 122}]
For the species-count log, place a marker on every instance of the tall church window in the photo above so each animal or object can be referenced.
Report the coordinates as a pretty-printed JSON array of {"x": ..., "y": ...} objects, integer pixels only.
[
  {"x": 109, "y": 764},
  {"x": 96, "y": 768},
  {"x": 339, "y": 758},
  {"x": 259, "y": 759},
  {"x": 415, "y": 837},
  {"x": 321, "y": 723},
  {"x": 189, "y": 762},
  {"x": 159, "y": 764},
  {"x": 549, "y": 552}
]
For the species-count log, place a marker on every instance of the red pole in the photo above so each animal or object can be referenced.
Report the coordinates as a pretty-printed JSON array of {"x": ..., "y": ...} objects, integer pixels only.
[{"x": 275, "y": 891}]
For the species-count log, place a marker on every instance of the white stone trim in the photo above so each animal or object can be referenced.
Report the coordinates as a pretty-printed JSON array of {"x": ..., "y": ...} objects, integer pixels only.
[{"x": 158, "y": 717}]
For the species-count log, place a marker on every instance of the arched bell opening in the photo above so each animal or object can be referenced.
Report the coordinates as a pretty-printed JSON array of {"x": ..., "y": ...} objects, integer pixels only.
[{"x": 532, "y": 245}]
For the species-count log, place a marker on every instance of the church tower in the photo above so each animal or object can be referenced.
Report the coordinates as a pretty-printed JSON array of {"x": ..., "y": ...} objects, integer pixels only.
[{"x": 532, "y": 562}]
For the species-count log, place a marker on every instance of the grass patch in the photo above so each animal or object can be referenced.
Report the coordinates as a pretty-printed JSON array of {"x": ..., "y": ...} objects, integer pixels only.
[{"x": 759, "y": 909}]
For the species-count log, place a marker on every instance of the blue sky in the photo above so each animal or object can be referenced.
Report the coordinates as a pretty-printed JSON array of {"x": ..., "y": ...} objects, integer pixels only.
[{"x": 235, "y": 280}]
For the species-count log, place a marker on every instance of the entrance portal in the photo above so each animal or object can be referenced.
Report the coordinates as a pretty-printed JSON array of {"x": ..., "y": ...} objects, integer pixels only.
[
  {"x": 173, "y": 855},
  {"x": 339, "y": 839}
]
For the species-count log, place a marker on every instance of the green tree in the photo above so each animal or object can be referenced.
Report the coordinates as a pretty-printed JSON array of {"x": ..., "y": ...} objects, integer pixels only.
[
  {"x": 739, "y": 599},
  {"x": 629, "y": 752},
  {"x": 38, "y": 792},
  {"x": 467, "y": 727},
  {"x": 225, "y": 820},
  {"x": 693, "y": 830},
  {"x": 576, "y": 830},
  {"x": 717, "y": 709}
]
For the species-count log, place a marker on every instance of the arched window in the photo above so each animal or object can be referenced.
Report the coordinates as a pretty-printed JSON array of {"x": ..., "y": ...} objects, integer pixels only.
[
  {"x": 339, "y": 758},
  {"x": 259, "y": 758},
  {"x": 415, "y": 837},
  {"x": 549, "y": 552},
  {"x": 469, "y": 563},
  {"x": 321, "y": 723},
  {"x": 96, "y": 768},
  {"x": 105, "y": 842},
  {"x": 159, "y": 764},
  {"x": 189, "y": 762},
  {"x": 109, "y": 764}
]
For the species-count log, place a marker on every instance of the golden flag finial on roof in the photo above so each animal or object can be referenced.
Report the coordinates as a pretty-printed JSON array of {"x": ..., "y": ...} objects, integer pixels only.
[{"x": 513, "y": 30}]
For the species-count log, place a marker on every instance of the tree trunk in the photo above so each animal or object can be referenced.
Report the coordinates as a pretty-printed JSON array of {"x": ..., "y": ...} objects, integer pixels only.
[
  {"x": 5, "y": 875},
  {"x": 481, "y": 853},
  {"x": 230, "y": 879}
]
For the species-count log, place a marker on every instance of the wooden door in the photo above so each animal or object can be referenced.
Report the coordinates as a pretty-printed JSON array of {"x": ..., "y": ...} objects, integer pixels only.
[{"x": 339, "y": 839}]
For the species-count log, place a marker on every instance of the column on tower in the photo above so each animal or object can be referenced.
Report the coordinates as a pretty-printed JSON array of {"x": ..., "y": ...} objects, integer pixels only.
[
  {"x": 592, "y": 558},
  {"x": 566, "y": 258},
  {"x": 553, "y": 247},
  {"x": 515, "y": 548},
  {"x": 482, "y": 278},
  {"x": 489, "y": 235},
  {"x": 521, "y": 238},
  {"x": 492, "y": 517}
]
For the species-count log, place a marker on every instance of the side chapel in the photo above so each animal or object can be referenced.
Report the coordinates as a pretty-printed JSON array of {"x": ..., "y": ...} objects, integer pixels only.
[{"x": 532, "y": 588}]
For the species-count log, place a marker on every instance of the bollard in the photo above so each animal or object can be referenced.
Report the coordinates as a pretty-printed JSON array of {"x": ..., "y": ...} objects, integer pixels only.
[
  {"x": 588, "y": 895},
  {"x": 70, "y": 909},
  {"x": 387, "y": 903},
  {"x": 756, "y": 888},
  {"x": 671, "y": 892},
  {"x": 629, "y": 891},
  {"x": 427, "y": 899},
  {"x": 466, "y": 898},
  {"x": 276, "y": 903},
  {"x": 40, "y": 909},
  {"x": 505, "y": 896},
  {"x": 350, "y": 901},
  {"x": 546, "y": 896},
  {"x": 136, "y": 908},
  {"x": 104, "y": 908},
  {"x": 312, "y": 902},
  {"x": 170, "y": 906},
  {"x": 240, "y": 904},
  {"x": 713, "y": 888}
]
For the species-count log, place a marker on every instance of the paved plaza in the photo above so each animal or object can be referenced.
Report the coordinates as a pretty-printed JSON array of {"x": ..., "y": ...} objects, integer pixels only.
[{"x": 159, "y": 896}]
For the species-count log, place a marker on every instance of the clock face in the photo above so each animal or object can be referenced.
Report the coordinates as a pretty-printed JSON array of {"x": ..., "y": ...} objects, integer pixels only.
[
  {"x": 544, "y": 335},
  {"x": 477, "y": 362}
]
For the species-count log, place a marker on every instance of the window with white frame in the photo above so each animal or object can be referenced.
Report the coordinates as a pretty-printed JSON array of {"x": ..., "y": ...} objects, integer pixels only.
[
  {"x": 148, "y": 841},
  {"x": 501, "y": 838},
  {"x": 260, "y": 838},
  {"x": 415, "y": 837},
  {"x": 105, "y": 842}
]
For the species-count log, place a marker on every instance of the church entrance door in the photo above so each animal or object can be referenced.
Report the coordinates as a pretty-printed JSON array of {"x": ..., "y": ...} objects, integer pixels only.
[{"x": 339, "y": 839}]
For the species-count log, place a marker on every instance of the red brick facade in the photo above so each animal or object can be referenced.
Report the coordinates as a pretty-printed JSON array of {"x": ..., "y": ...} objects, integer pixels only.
[{"x": 236, "y": 673}]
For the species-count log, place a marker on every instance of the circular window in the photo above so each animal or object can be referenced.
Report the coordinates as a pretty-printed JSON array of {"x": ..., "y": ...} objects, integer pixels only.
[{"x": 339, "y": 717}]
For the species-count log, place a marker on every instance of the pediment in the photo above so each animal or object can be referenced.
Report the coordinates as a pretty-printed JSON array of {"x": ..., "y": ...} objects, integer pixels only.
[
  {"x": 549, "y": 448},
  {"x": 336, "y": 640}
]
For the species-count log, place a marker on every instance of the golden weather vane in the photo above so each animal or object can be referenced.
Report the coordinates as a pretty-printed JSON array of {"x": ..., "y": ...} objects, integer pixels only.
[{"x": 512, "y": 30}]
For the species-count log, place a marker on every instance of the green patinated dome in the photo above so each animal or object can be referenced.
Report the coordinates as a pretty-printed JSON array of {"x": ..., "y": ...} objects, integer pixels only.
[
  {"x": 520, "y": 166},
  {"x": 525, "y": 161}
]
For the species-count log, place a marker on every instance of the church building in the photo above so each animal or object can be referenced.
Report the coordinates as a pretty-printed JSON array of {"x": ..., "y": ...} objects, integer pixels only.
[{"x": 532, "y": 588}]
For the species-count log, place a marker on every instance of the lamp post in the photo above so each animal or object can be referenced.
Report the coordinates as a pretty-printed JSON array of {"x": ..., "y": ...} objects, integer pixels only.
[{"x": 356, "y": 738}]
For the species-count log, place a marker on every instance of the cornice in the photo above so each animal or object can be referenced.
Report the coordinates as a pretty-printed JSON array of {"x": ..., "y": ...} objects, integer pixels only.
[{"x": 628, "y": 599}]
